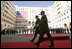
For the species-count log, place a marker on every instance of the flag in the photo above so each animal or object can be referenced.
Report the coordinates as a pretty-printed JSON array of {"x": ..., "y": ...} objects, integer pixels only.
[{"x": 22, "y": 14}]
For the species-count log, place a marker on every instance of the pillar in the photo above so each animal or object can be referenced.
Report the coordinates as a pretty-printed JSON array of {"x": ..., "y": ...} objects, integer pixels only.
[{"x": 18, "y": 31}]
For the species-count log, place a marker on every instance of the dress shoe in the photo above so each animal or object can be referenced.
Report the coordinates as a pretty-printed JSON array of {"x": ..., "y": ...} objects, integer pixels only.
[
  {"x": 31, "y": 41},
  {"x": 51, "y": 45},
  {"x": 36, "y": 44}
]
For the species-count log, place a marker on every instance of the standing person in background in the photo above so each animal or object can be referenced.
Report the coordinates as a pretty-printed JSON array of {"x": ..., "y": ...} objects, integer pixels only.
[
  {"x": 70, "y": 27},
  {"x": 65, "y": 25}
]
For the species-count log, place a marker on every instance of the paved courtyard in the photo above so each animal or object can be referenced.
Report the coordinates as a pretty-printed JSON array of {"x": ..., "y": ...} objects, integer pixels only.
[{"x": 17, "y": 38}]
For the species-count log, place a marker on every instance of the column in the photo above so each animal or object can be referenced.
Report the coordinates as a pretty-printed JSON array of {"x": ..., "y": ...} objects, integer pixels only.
[
  {"x": 18, "y": 31},
  {"x": 21, "y": 32}
]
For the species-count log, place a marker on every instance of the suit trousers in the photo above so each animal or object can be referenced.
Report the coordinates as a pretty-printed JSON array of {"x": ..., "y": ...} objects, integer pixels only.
[
  {"x": 36, "y": 33},
  {"x": 41, "y": 37}
]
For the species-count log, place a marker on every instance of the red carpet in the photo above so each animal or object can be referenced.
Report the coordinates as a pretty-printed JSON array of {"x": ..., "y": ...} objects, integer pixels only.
[
  {"x": 44, "y": 44},
  {"x": 55, "y": 37}
]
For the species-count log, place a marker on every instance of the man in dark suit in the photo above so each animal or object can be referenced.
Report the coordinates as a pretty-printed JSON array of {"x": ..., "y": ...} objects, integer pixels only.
[
  {"x": 37, "y": 28},
  {"x": 44, "y": 29}
]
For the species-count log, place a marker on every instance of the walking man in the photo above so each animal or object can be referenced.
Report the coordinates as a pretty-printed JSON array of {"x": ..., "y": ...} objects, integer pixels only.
[
  {"x": 37, "y": 28},
  {"x": 44, "y": 29}
]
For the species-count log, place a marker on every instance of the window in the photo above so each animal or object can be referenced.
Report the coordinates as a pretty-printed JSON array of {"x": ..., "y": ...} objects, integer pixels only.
[
  {"x": 67, "y": 6},
  {"x": 57, "y": 2},
  {"x": 67, "y": 16},
  {"x": 57, "y": 5},
  {"x": 64, "y": 13},
  {"x": 3, "y": 5},
  {"x": 10, "y": 2},
  {"x": 5, "y": 24},
  {"x": 58, "y": 8},
  {"x": 7, "y": 7},
  {"x": 3, "y": 14},
  {"x": 58, "y": 12},
  {"x": 64, "y": 18},
  {"x": 67, "y": 11},
  {"x": 67, "y": 1},
  {"x": 6, "y": 11},
  {"x": 7, "y": 3},
  {"x": 60, "y": 3},
  {"x": 6, "y": 21}
]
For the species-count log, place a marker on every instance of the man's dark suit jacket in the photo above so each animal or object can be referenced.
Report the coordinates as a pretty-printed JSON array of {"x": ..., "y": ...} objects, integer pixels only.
[
  {"x": 44, "y": 24},
  {"x": 37, "y": 22}
]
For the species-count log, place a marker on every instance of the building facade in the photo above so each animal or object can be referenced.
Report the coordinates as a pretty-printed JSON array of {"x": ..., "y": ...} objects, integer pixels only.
[
  {"x": 29, "y": 13},
  {"x": 60, "y": 14},
  {"x": 8, "y": 14},
  {"x": 21, "y": 23},
  {"x": 22, "y": 17}
]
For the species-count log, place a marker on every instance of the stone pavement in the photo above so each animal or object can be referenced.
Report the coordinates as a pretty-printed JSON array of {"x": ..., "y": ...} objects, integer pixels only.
[{"x": 17, "y": 38}]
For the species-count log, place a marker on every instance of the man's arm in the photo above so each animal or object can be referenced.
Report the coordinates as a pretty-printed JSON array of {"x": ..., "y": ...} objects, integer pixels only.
[{"x": 36, "y": 26}]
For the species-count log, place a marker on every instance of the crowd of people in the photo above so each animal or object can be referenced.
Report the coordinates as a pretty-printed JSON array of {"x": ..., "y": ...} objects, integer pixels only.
[
  {"x": 59, "y": 30},
  {"x": 32, "y": 31},
  {"x": 9, "y": 31},
  {"x": 26, "y": 31}
]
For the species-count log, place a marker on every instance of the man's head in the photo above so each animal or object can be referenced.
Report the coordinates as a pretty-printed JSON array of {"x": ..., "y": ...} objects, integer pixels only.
[
  {"x": 42, "y": 12},
  {"x": 36, "y": 17}
]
